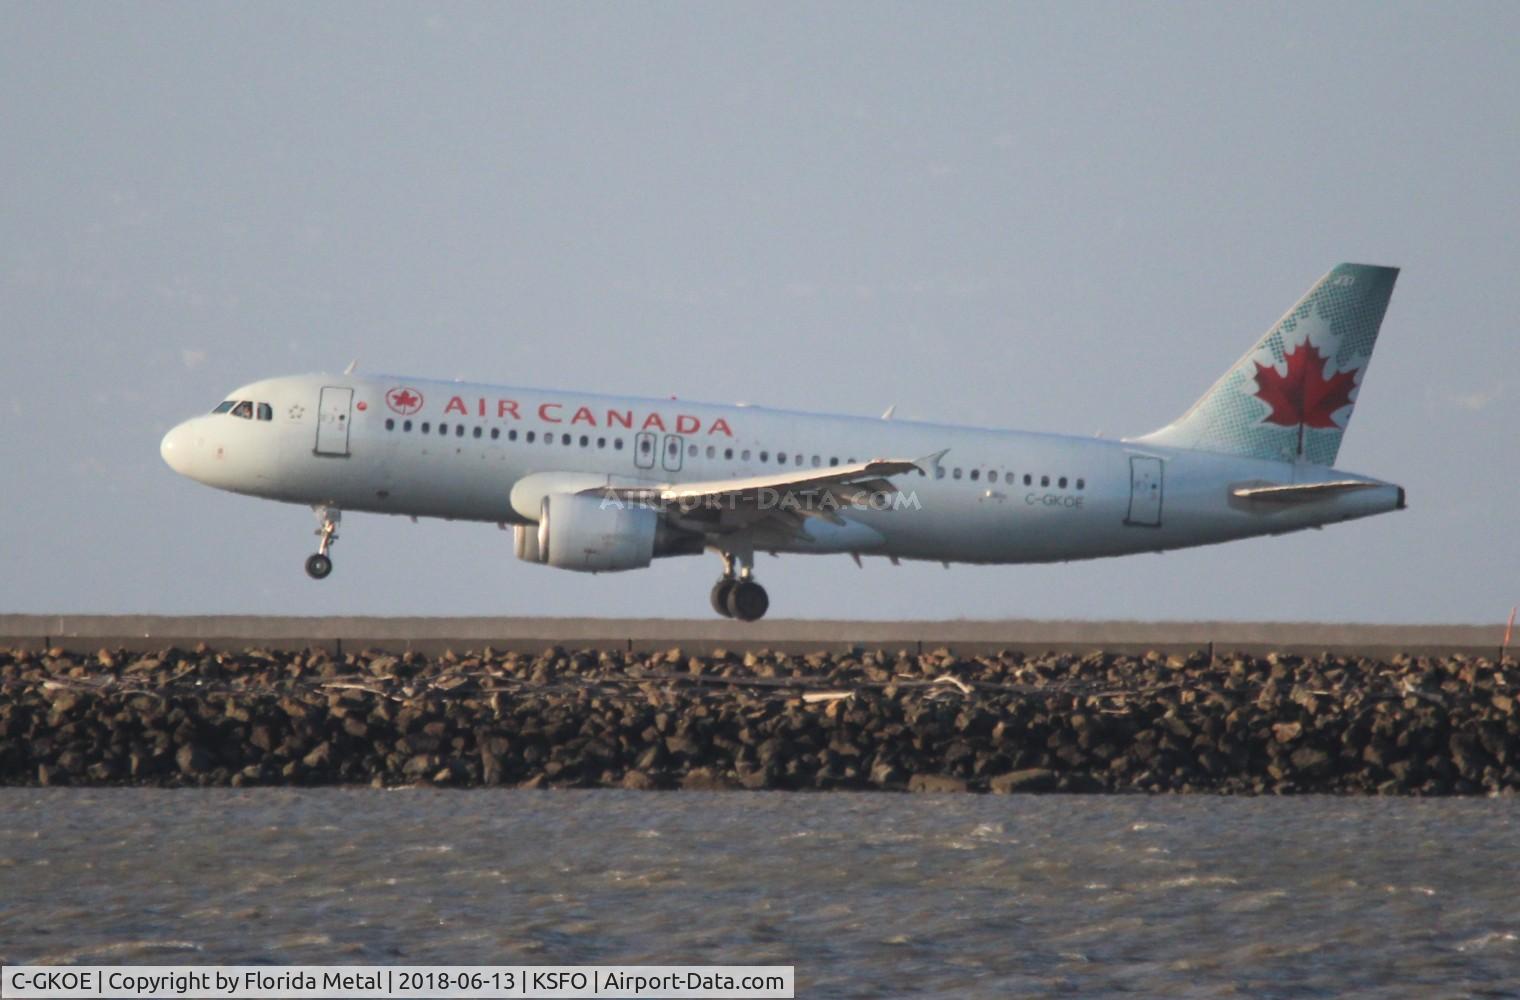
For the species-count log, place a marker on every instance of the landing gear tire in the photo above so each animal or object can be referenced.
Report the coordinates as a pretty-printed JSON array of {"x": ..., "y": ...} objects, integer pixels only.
[
  {"x": 720, "y": 593},
  {"x": 747, "y": 601},
  {"x": 319, "y": 563}
]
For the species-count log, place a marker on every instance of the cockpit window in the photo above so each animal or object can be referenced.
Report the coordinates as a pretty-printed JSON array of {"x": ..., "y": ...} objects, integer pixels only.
[
  {"x": 225, "y": 406},
  {"x": 244, "y": 410},
  {"x": 266, "y": 412}
]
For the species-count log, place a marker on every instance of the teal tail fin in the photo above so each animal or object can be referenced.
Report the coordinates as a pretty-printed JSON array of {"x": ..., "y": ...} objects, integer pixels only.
[{"x": 1291, "y": 396}]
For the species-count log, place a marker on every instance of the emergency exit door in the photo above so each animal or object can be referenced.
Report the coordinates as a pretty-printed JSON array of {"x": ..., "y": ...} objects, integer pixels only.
[
  {"x": 671, "y": 454},
  {"x": 644, "y": 444},
  {"x": 1145, "y": 491},
  {"x": 333, "y": 419}
]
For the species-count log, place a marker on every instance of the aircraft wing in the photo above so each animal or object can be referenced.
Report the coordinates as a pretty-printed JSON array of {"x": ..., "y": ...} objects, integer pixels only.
[
  {"x": 846, "y": 483},
  {"x": 786, "y": 494}
]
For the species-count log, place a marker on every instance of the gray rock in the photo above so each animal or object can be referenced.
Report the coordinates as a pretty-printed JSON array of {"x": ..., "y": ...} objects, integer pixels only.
[
  {"x": 936, "y": 784},
  {"x": 702, "y": 779},
  {"x": 319, "y": 758},
  {"x": 1032, "y": 779},
  {"x": 192, "y": 760},
  {"x": 419, "y": 765},
  {"x": 1310, "y": 760},
  {"x": 638, "y": 781},
  {"x": 885, "y": 774}
]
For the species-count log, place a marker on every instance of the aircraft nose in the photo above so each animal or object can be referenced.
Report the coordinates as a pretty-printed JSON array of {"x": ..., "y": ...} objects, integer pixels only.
[{"x": 175, "y": 449}]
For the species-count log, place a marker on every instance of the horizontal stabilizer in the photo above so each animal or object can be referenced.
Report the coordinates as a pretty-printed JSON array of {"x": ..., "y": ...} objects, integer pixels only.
[{"x": 1299, "y": 493}]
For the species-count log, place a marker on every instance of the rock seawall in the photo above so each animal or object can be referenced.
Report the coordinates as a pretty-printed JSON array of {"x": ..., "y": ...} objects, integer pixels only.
[{"x": 931, "y": 722}]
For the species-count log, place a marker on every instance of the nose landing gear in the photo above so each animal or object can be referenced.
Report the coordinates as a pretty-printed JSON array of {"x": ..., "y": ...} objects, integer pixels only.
[
  {"x": 736, "y": 594},
  {"x": 319, "y": 564}
]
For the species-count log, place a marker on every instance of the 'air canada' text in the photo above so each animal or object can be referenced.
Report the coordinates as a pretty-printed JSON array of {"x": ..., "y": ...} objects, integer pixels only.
[{"x": 561, "y": 413}]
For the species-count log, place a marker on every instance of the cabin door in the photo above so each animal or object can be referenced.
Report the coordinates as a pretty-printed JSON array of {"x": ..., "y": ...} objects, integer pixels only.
[
  {"x": 1144, "y": 491},
  {"x": 333, "y": 420}
]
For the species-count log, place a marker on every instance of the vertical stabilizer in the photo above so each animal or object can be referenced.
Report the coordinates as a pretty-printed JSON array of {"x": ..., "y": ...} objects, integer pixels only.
[{"x": 1292, "y": 395}]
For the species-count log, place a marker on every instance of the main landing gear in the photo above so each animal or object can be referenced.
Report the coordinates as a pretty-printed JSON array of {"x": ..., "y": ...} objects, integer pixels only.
[
  {"x": 736, "y": 594},
  {"x": 319, "y": 564}
]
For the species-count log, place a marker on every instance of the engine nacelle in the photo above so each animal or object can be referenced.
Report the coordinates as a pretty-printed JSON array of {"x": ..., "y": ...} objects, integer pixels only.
[
  {"x": 525, "y": 542},
  {"x": 588, "y": 534}
]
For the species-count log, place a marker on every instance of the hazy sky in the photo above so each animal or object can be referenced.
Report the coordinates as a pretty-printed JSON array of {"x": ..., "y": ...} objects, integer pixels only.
[{"x": 1067, "y": 217}]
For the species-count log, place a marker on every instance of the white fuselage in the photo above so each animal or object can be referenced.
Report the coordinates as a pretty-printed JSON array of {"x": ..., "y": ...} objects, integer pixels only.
[{"x": 364, "y": 443}]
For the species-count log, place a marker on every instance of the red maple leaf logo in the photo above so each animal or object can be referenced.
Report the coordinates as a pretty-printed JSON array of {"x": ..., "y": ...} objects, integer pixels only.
[
  {"x": 1303, "y": 397},
  {"x": 404, "y": 401}
]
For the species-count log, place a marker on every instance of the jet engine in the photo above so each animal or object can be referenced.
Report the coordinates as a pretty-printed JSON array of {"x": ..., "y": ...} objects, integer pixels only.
[{"x": 593, "y": 535}]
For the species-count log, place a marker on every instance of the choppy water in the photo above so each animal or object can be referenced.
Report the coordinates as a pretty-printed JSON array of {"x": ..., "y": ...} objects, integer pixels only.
[{"x": 868, "y": 895}]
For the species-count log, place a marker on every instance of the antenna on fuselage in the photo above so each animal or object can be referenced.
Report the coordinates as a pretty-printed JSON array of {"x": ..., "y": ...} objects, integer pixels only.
[
  {"x": 351, "y": 366},
  {"x": 890, "y": 410}
]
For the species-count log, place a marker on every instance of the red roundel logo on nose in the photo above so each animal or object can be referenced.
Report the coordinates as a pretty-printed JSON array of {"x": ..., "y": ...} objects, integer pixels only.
[{"x": 404, "y": 401}]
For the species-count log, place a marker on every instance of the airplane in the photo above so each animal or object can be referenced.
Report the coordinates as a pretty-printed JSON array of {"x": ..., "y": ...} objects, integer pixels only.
[{"x": 604, "y": 483}]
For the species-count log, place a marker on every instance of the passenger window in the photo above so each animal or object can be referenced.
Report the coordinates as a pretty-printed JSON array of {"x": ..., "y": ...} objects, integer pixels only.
[
  {"x": 564, "y": 439},
  {"x": 601, "y": 442},
  {"x": 744, "y": 455},
  {"x": 711, "y": 451},
  {"x": 512, "y": 434},
  {"x": 765, "y": 456},
  {"x": 976, "y": 474},
  {"x": 728, "y": 454},
  {"x": 1009, "y": 478},
  {"x": 495, "y": 433},
  {"x": 443, "y": 429},
  {"x": 957, "y": 473},
  {"x": 780, "y": 458},
  {"x": 691, "y": 450},
  {"x": 644, "y": 447},
  {"x": 1081, "y": 484},
  {"x": 1061, "y": 482},
  {"x": 833, "y": 462},
  {"x": 224, "y": 407},
  {"x": 617, "y": 444},
  {"x": 406, "y": 425},
  {"x": 530, "y": 437},
  {"x": 1044, "y": 480},
  {"x": 426, "y": 427},
  {"x": 475, "y": 432},
  {"x": 390, "y": 424},
  {"x": 244, "y": 410},
  {"x": 266, "y": 412},
  {"x": 1028, "y": 480},
  {"x": 817, "y": 462},
  {"x": 585, "y": 440}
]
